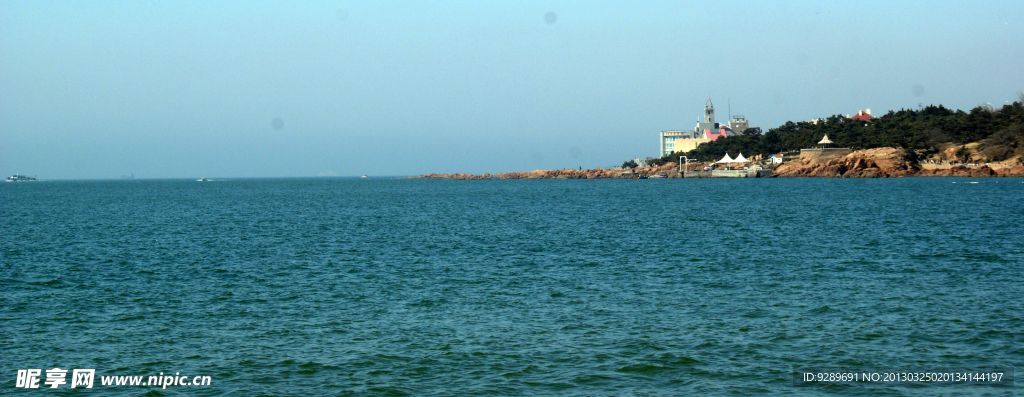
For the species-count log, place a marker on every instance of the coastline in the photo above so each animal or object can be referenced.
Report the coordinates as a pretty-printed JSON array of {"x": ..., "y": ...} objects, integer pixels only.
[{"x": 870, "y": 163}]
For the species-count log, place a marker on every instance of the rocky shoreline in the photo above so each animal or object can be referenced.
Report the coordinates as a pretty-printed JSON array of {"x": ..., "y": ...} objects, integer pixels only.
[
  {"x": 870, "y": 163},
  {"x": 557, "y": 174},
  {"x": 885, "y": 163}
]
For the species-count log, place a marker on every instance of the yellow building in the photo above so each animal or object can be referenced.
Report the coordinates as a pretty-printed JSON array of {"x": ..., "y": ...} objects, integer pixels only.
[{"x": 686, "y": 145}]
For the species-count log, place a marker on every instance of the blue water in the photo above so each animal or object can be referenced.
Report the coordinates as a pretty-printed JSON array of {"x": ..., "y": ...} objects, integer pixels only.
[{"x": 518, "y": 287}]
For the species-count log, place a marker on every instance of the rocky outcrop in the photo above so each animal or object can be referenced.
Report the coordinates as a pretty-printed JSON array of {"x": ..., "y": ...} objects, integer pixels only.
[
  {"x": 561, "y": 174},
  {"x": 455, "y": 176},
  {"x": 979, "y": 171},
  {"x": 1016, "y": 170},
  {"x": 668, "y": 170},
  {"x": 871, "y": 163}
]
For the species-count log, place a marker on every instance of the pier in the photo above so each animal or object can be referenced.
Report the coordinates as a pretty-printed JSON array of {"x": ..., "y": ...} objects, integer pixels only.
[{"x": 728, "y": 174}]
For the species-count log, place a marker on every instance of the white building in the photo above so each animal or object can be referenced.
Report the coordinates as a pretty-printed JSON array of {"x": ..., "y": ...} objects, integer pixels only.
[{"x": 705, "y": 131}]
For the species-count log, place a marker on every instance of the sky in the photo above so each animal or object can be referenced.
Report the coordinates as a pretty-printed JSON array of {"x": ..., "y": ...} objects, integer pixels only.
[{"x": 183, "y": 89}]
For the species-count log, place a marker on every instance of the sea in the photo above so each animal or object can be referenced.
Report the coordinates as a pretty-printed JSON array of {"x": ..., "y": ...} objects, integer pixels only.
[{"x": 412, "y": 287}]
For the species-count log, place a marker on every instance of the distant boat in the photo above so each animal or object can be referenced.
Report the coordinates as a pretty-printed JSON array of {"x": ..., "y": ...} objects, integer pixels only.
[
  {"x": 20, "y": 178},
  {"x": 203, "y": 179},
  {"x": 364, "y": 176},
  {"x": 658, "y": 176}
]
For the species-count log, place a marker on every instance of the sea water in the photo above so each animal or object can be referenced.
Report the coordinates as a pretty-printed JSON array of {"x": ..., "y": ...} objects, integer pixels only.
[{"x": 346, "y": 286}]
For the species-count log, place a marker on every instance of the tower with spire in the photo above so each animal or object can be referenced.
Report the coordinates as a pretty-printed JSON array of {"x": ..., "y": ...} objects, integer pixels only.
[
  {"x": 708, "y": 125},
  {"x": 709, "y": 112}
]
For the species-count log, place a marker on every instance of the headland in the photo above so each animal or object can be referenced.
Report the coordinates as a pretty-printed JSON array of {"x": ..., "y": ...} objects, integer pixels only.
[
  {"x": 928, "y": 141},
  {"x": 886, "y": 162}
]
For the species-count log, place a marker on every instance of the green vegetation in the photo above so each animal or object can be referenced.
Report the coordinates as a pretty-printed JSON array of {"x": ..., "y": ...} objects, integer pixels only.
[{"x": 926, "y": 131}]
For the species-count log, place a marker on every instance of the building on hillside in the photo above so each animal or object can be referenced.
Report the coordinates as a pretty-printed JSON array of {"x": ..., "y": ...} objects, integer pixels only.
[
  {"x": 738, "y": 124},
  {"x": 863, "y": 115},
  {"x": 643, "y": 162},
  {"x": 709, "y": 123},
  {"x": 688, "y": 144},
  {"x": 707, "y": 130},
  {"x": 669, "y": 138}
]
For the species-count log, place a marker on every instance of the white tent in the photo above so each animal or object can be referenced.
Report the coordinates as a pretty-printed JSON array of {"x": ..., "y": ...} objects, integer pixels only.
[
  {"x": 726, "y": 159},
  {"x": 825, "y": 141},
  {"x": 740, "y": 159}
]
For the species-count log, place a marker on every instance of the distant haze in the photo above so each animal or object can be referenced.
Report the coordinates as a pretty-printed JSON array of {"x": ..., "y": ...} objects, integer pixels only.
[{"x": 97, "y": 89}]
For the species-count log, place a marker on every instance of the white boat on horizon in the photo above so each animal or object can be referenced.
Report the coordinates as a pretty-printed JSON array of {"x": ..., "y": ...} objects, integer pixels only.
[{"x": 20, "y": 178}]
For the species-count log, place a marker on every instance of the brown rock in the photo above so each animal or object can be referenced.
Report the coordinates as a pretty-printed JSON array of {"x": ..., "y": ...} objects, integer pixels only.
[
  {"x": 1017, "y": 170},
  {"x": 879, "y": 162}
]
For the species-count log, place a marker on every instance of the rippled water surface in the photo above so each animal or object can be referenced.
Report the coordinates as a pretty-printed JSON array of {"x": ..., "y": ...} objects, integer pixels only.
[{"x": 520, "y": 287}]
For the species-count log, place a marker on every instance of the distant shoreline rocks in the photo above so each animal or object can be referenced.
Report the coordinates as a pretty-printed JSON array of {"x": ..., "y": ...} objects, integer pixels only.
[
  {"x": 543, "y": 174},
  {"x": 885, "y": 162}
]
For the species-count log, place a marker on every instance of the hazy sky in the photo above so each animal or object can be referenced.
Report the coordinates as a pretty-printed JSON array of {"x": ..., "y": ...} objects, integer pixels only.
[{"x": 97, "y": 89}]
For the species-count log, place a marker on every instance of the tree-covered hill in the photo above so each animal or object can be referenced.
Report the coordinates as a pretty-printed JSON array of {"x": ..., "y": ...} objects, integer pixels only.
[{"x": 924, "y": 131}]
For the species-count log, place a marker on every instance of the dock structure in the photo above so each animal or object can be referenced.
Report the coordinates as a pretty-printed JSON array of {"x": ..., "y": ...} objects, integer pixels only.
[{"x": 729, "y": 174}]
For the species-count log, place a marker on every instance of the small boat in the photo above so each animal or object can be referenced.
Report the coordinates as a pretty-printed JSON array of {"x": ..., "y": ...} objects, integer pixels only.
[
  {"x": 658, "y": 177},
  {"x": 365, "y": 176},
  {"x": 203, "y": 179},
  {"x": 20, "y": 178}
]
